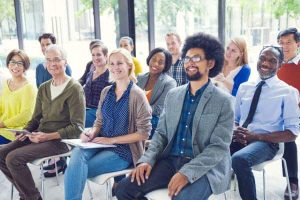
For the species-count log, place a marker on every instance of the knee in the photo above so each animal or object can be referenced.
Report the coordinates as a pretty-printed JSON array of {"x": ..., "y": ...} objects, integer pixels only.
[
  {"x": 239, "y": 162},
  {"x": 125, "y": 189},
  {"x": 14, "y": 160}
]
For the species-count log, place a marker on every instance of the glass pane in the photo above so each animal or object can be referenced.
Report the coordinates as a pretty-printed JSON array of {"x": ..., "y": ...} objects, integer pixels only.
[
  {"x": 109, "y": 23},
  {"x": 258, "y": 24},
  {"x": 70, "y": 21},
  {"x": 184, "y": 17},
  {"x": 141, "y": 31},
  {"x": 8, "y": 34}
]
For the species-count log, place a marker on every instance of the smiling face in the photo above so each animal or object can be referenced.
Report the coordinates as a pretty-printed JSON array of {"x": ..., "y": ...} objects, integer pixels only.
[
  {"x": 173, "y": 45},
  {"x": 289, "y": 46},
  {"x": 197, "y": 70},
  {"x": 125, "y": 44},
  {"x": 232, "y": 53},
  {"x": 55, "y": 64},
  {"x": 98, "y": 58},
  {"x": 16, "y": 66},
  {"x": 157, "y": 63},
  {"x": 119, "y": 67},
  {"x": 268, "y": 63}
]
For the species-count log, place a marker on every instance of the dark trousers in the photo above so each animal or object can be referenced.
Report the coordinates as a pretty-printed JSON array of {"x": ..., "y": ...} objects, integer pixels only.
[
  {"x": 291, "y": 157},
  {"x": 13, "y": 163},
  {"x": 160, "y": 176}
]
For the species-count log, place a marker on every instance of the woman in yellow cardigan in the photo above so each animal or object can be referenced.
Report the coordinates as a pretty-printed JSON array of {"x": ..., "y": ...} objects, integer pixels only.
[
  {"x": 17, "y": 97},
  {"x": 127, "y": 43}
]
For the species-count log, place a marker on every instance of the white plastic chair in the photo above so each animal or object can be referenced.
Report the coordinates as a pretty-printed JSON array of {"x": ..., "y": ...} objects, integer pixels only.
[
  {"x": 106, "y": 179},
  {"x": 162, "y": 194},
  {"x": 261, "y": 167},
  {"x": 40, "y": 162}
]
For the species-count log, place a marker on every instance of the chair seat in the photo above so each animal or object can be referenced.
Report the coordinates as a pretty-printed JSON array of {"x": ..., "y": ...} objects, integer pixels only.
[
  {"x": 101, "y": 179},
  {"x": 278, "y": 156},
  {"x": 160, "y": 194},
  {"x": 39, "y": 161}
]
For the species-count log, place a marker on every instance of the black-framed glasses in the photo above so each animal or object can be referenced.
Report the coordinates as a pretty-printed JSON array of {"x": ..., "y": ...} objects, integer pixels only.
[
  {"x": 18, "y": 63},
  {"x": 194, "y": 59}
]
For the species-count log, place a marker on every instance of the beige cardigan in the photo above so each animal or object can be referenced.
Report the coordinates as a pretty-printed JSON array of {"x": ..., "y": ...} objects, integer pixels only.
[{"x": 139, "y": 117}]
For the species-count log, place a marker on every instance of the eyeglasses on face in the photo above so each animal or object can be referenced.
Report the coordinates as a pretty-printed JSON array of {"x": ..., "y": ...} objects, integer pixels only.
[
  {"x": 54, "y": 60},
  {"x": 18, "y": 63},
  {"x": 194, "y": 59}
]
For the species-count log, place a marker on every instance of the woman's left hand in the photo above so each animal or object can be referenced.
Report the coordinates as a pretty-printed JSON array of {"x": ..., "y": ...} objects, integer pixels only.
[
  {"x": 38, "y": 137},
  {"x": 104, "y": 140}
]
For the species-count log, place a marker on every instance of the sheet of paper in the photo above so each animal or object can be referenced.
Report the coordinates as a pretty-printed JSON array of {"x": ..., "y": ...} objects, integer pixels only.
[
  {"x": 18, "y": 131},
  {"x": 85, "y": 145}
]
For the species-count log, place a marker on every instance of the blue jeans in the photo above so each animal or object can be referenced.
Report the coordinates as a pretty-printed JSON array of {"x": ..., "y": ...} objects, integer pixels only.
[
  {"x": 160, "y": 176},
  {"x": 154, "y": 122},
  {"x": 90, "y": 117},
  {"x": 248, "y": 156},
  {"x": 88, "y": 163}
]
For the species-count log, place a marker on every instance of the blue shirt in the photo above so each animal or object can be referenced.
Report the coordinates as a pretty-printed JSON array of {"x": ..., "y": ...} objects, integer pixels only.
[
  {"x": 93, "y": 88},
  {"x": 277, "y": 108},
  {"x": 42, "y": 75},
  {"x": 115, "y": 116},
  {"x": 241, "y": 77},
  {"x": 182, "y": 143}
]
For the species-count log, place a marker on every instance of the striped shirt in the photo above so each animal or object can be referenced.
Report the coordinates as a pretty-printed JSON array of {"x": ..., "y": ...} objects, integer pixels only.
[{"x": 177, "y": 72}]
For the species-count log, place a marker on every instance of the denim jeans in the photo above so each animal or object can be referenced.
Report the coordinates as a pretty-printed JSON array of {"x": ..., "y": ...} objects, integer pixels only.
[
  {"x": 248, "y": 156},
  {"x": 154, "y": 122},
  {"x": 90, "y": 117},
  {"x": 88, "y": 163},
  {"x": 160, "y": 176}
]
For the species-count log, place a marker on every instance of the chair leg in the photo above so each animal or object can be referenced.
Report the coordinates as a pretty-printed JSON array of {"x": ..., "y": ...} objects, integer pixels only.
[
  {"x": 108, "y": 190},
  {"x": 12, "y": 192},
  {"x": 264, "y": 184},
  {"x": 234, "y": 182},
  {"x": 42, "y": 180},
  {"x": 287, "y": 178},
  {"x": 56, "y": 173},
  {"x": 225, "y": 196},
  {"x": 89, "y": 189}
]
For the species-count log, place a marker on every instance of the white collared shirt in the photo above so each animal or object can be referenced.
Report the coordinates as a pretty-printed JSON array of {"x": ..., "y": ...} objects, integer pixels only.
[{"x": 277, "y": 108}]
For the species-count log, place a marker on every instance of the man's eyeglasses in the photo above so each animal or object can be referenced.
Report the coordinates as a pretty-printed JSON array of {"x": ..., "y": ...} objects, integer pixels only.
[
  {"x": 18, "y": 63},
  {"x": 194, "y": 59},
  {"x": 54, "y": 60}
]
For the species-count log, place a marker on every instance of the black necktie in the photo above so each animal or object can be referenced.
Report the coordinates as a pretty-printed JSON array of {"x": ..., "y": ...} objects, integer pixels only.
[{"x": 253, "y": 104}]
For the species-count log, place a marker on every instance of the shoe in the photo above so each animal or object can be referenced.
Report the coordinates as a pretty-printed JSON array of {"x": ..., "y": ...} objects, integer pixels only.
[
  {"x": 294, "y": 191},
  {"x": 53, "y": 174},
  {"x": 59, "y": 163}
]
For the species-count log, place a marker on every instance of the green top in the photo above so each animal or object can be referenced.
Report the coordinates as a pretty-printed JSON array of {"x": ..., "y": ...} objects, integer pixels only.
[{"x": 64, "y": 114}]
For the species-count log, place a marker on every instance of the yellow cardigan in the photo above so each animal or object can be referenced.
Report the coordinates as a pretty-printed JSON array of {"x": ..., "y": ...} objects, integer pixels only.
[
  {"x": 16, "y": 107},
  {"x": 138, "y": 69}
]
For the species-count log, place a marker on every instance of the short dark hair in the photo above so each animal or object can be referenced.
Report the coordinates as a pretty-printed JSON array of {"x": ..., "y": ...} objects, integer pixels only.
[
  {"x": 278, "y": 49},
  {"x": 288, "y": 31},
  {"x": 22, "y": 54},
  {"x": 94, "y": 42},
  {"x": 101, "y": 45},
  {"x": 212, "y": 48},
  {"x": 48, "y": 36},
  {"x": 168, "y": 56}
]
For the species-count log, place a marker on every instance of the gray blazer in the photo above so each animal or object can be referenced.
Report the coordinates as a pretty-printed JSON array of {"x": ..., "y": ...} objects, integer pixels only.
[
  {"x": 211, "y": 136},
  {"x": 162, "y": 86}
]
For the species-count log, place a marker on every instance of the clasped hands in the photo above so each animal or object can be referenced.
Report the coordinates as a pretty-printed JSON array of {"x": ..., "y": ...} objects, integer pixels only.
[
  {"x": 243, "y": 135},
  {"x": 35, "y": 137},
  {"x": 142, "y": 172}
]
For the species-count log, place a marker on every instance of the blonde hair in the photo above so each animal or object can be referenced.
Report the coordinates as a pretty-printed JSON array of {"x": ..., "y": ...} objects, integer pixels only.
[
  {"x": 128, "y": 58},
  {"x": 241, "y": 44}
]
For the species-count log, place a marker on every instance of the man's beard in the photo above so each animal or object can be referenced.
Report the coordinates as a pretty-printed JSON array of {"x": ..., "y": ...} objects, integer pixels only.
[{"x": 195, "y": 77}]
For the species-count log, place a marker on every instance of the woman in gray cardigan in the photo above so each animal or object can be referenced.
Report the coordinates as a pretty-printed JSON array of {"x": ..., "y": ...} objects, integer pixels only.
[
  {"x": 123, "y": 119},
  {"x": 156, "y": 83}
]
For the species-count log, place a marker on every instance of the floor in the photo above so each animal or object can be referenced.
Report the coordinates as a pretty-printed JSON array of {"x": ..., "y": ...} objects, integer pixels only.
[{"x": 275, "y": 186}]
